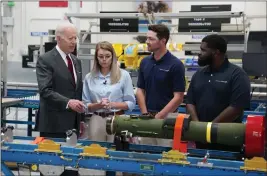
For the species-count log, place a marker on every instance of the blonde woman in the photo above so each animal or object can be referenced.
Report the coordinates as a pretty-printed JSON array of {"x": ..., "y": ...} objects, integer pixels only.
[{"x": 107, "y": 90}]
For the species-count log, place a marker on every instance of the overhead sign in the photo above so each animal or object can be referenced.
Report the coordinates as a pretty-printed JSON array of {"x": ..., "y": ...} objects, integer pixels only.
[
  {"x": 118, "y": 24},
  {"x": 204, "y": 24},
  {"x": 38, "y": 34},
  {"x": 199, "y": 25}
]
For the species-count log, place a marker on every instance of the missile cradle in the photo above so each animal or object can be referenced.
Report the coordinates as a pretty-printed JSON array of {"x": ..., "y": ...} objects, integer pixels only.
[
  {"x": 250, "y": 136},
  {"x": 51, "y": 156}
]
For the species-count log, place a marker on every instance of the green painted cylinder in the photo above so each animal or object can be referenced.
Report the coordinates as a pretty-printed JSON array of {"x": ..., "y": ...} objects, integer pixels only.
[{"x": 232, "y": 134}]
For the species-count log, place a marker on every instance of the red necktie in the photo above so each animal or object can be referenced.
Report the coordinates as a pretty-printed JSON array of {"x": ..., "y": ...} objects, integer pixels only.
[{"x": 70, "y": 67}]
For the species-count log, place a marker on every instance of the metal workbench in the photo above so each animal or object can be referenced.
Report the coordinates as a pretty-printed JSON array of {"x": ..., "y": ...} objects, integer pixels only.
[{"x": 148, "y": 162}]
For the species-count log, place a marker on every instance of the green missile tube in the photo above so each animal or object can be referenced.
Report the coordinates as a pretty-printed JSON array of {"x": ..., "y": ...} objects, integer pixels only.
[{"x": 232, "y": 134}]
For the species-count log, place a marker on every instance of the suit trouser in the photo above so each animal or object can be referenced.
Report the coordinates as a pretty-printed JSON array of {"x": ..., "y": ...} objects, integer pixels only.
[{"x": 59, "y": 135}]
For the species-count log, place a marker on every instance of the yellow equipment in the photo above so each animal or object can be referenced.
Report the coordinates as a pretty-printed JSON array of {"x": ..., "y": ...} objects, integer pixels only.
[
  {"x": 130, "y": 54},
  {"x": 118, "y": 49}
]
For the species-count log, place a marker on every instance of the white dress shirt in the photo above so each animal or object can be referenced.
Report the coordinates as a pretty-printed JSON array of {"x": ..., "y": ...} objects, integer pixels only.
[{"x": 63, "y": 55}]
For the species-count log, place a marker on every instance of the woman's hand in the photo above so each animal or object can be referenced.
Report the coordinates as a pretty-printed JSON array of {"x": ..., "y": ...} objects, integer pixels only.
[
  {"x": 105, "y": 103},
  {"x": 109, "y": 106}
]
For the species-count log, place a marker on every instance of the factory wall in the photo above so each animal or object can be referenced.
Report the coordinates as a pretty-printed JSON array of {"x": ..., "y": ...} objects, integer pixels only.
[{"x": 29, "y": 17}]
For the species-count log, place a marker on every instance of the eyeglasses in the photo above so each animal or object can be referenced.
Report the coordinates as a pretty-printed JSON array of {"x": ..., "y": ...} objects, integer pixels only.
[{"x": 104, "y": 57}]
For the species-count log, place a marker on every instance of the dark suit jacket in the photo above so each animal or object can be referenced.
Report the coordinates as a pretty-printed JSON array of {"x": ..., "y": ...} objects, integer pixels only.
[{"x": 56, "y": 88}]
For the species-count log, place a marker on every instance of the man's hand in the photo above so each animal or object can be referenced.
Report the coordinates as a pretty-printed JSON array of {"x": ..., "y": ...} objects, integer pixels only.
[
  {"x": 160, "y": 116},
  {"x": 191, "y": 109},
  {"x": 76, "y": 105},
  {"x": 194, "y": 118}
]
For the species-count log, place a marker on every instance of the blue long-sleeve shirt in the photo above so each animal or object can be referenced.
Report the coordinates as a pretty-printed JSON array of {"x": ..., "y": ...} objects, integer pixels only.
[{"x": 97, "y": 87}]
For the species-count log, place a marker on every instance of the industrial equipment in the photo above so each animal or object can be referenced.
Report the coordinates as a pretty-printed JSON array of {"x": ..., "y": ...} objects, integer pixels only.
[
  {"x": 52, "y": 156},
  {"x": 255, "y": 64},
  {"x": 29, "y": 61},
  {"x": 180, "y": 128},
  {"x": 131, "y": 55}
]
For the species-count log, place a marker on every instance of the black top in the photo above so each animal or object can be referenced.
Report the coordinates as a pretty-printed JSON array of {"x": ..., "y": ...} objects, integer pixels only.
[
  {"x": 213, "y": 91},
  {"x": 160, "y": 79}
]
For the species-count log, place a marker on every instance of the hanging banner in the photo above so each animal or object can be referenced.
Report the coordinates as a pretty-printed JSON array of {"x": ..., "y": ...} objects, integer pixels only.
[{"x": 55, "y": 4}]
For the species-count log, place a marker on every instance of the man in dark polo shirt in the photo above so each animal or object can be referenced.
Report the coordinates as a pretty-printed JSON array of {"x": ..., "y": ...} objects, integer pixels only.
[
  {"x": 220, "y": 91},
  {"x": 161, "y": 79}
]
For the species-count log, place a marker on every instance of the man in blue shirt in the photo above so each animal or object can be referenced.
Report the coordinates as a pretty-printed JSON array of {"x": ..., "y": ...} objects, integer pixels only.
[
  {"x": 220, "y": 91},
  {"x": 161, "y": 79}
]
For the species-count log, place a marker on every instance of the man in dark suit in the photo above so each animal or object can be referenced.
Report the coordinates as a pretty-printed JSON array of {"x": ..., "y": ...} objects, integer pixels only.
[{"x": 59, "y": 76}]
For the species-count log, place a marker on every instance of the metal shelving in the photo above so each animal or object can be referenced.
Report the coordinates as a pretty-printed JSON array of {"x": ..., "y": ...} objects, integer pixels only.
[
  {"x": 230, "y": 47},
  {"x": 180, "y": 33},
  {"x": 195, "y": 47},
  {"x": 86, "y": 56},
  {"x": 162, "y": 15}
]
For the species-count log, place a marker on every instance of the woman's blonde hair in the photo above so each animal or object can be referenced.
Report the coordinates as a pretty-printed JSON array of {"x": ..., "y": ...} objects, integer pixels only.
[{"x": 115, "y": 72}]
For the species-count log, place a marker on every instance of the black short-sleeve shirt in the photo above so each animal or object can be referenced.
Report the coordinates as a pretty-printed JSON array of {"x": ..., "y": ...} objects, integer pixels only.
[
  {"x": 160, "y": 79},
  {"x": 211, "y": 92}
]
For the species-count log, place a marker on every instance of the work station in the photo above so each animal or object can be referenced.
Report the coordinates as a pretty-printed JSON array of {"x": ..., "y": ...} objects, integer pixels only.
[{"x": 150, "y": 88}]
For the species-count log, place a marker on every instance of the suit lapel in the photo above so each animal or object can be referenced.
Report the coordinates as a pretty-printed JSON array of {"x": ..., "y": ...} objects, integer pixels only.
[{"x": 62, "y": 65}]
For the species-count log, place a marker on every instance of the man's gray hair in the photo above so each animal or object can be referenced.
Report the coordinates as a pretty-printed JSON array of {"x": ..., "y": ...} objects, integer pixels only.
[{"x": 62, "y": 26}]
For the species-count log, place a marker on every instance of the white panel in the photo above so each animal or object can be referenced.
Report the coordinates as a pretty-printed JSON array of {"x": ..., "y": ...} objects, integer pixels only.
[
  {"x": 256, "y": 12},
  {"x": 29, "y": 17},
  {"x": 118, "y": 6}
]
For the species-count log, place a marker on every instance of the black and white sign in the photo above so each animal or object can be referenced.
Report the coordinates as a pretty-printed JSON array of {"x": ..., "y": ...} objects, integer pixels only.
[
  {"x": 204, "y": 24},
  {"x": 118, "y": 24}
]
